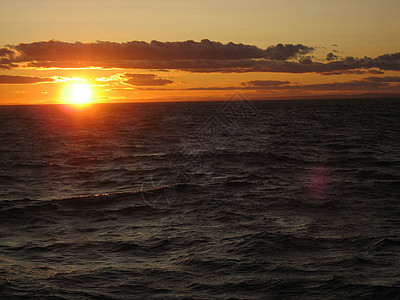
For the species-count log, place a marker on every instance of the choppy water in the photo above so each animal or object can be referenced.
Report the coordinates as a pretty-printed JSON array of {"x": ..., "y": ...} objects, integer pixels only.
[{"x": 211, "y": 200}]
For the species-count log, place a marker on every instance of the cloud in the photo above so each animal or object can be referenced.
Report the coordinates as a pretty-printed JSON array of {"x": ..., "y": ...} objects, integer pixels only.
[
  {"x": 352, "y": 72},
  {"x": 202, "y": 57},
  {"x": 145, "y": 80},
  {"x": 390, "y": 57},
  {"x": 6, "y": 52},
  {"x": 384, "y": 79},
  {"x": 139, "y": 50},
  {"x": 353, "y": 85},
  {"x": 10, "y": 79},
  {"x": 287, "y": 51},
  {"x": 8, "y": 66},
  {"x": 271, "y": 66},
  {"x": 105, "y": 54},
  {"x": 264, "y": 83},
  {"x": 330, "y": 56},
  {"x": 135, "y": 79},
  {"x": 369, "y": 84}
]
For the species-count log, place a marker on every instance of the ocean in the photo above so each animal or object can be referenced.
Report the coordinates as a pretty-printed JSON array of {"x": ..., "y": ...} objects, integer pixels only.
[{"x": 237, "y": 199}]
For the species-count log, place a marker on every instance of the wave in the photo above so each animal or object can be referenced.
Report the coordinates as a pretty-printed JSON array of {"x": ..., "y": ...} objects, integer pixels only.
[
  {"x": 147, "y": 201},
  {"x": 151, "y": 198}
]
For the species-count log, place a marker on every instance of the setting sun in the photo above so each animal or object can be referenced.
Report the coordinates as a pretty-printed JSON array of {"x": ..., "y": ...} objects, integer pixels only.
[{"x": 80, "y": 94}]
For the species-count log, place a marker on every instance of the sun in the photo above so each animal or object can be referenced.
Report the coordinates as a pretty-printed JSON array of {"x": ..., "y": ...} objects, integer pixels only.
[{"x": 80, "y": 94}]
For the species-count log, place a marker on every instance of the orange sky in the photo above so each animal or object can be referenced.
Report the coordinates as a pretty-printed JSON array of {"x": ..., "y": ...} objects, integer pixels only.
[{"x": 58, "y": 52}]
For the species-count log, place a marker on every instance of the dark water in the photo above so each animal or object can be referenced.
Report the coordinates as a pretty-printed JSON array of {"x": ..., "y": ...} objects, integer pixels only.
[{"x": 213, "y": 200}]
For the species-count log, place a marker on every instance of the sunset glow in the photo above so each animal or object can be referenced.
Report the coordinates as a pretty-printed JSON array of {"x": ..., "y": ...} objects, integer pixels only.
[{"x": 223, "y": 48}]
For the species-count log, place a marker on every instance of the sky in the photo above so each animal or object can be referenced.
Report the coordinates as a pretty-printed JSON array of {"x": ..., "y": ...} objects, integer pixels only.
[{"x": 123, "y": 51}]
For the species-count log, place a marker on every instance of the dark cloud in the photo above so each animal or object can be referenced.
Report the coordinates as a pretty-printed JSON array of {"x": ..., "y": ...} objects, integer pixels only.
[
  {"x": 305, "y": 66},
  {"x": 352, "y": 72},
  {"x": 390, "y": 57},
  {"x": 205, "y": 56},
  {"x": 330, "y": 56},
  {"x": 343, "y": 86},
  {"x": 371, "y": 71},
  {"x": 57, "y": 53},
  {"x": 7, "y": 57},
  {"x": 9, "y": 79},
  {"x": 6, "y": 63},
  {"x": 6, "y": 52},
  {"x": 384, "y": 79},
  {"x": 353, "y": 85},
  {"x": 145, "y": 80},
  {"x": 287, "y": 51},
  {"x": 365, "y": 85},
  {"x": 155, "y": 50},
  {"x": 265, "y": 83},
  {"x": 306, "y": 61}
]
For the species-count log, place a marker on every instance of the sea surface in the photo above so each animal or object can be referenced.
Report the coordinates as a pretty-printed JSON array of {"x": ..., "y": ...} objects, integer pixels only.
[{"x": 239, "y": 199}]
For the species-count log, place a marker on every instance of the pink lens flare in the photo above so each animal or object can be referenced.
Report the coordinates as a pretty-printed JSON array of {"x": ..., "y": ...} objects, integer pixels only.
[{"x": 318, "y": 181}]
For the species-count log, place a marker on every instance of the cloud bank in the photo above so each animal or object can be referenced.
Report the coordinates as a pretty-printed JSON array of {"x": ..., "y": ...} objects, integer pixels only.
[
  {"x": 372, "y": 84},
  {"x": 202, "y": 57}
]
